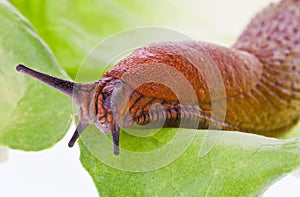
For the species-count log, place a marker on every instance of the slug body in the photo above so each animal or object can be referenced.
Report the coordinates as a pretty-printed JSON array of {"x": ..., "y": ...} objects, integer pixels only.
[{"x": 166, "y": 84}]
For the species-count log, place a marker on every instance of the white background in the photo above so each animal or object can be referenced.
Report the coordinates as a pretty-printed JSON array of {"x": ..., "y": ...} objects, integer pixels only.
[{"x": 32, "y": 173}]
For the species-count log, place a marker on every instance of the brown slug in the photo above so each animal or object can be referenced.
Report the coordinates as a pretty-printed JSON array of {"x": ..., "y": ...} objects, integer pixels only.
[{"x": 261, "y": 74}]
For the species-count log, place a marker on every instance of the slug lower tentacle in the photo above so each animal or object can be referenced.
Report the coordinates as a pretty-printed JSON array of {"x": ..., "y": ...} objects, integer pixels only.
[{"x": 174, "y": 84}]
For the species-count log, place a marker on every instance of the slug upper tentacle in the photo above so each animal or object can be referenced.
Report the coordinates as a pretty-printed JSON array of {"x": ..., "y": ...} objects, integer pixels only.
[{"x": 260, "y": 73}]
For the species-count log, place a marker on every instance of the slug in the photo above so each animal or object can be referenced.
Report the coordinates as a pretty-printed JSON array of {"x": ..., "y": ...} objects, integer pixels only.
[{"x": 261, "y": 75}]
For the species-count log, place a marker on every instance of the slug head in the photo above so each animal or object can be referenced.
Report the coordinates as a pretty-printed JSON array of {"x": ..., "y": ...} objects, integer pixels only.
[{"x": 89, "y": 99}]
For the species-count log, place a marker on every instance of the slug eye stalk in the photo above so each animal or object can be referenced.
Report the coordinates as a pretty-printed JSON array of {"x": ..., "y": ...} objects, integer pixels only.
[
  {"x": 82, "y": 95},
  {"x": 64, "y": 86}
]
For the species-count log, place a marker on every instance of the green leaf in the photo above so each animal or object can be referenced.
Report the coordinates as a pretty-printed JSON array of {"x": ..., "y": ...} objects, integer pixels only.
[
  {"x": 73, "y": 28},
  {"x": 238, "y": 164},
  {"x": 33, "y": 116}
]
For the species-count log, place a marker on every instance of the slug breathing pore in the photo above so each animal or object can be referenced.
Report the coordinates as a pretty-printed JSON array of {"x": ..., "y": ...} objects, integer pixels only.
[{"x": 261, "y": 74}]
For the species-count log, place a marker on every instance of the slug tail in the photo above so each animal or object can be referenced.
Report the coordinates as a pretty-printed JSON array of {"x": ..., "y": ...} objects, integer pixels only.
[
  {"x": 274, "y": 34},
  {"x": 273, "y": 37}
]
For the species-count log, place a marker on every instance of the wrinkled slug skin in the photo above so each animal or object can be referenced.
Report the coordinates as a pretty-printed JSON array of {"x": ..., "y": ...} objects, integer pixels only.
[
  {"x": 260, "y": 73},
  {"x": 254, "y": 86}
]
